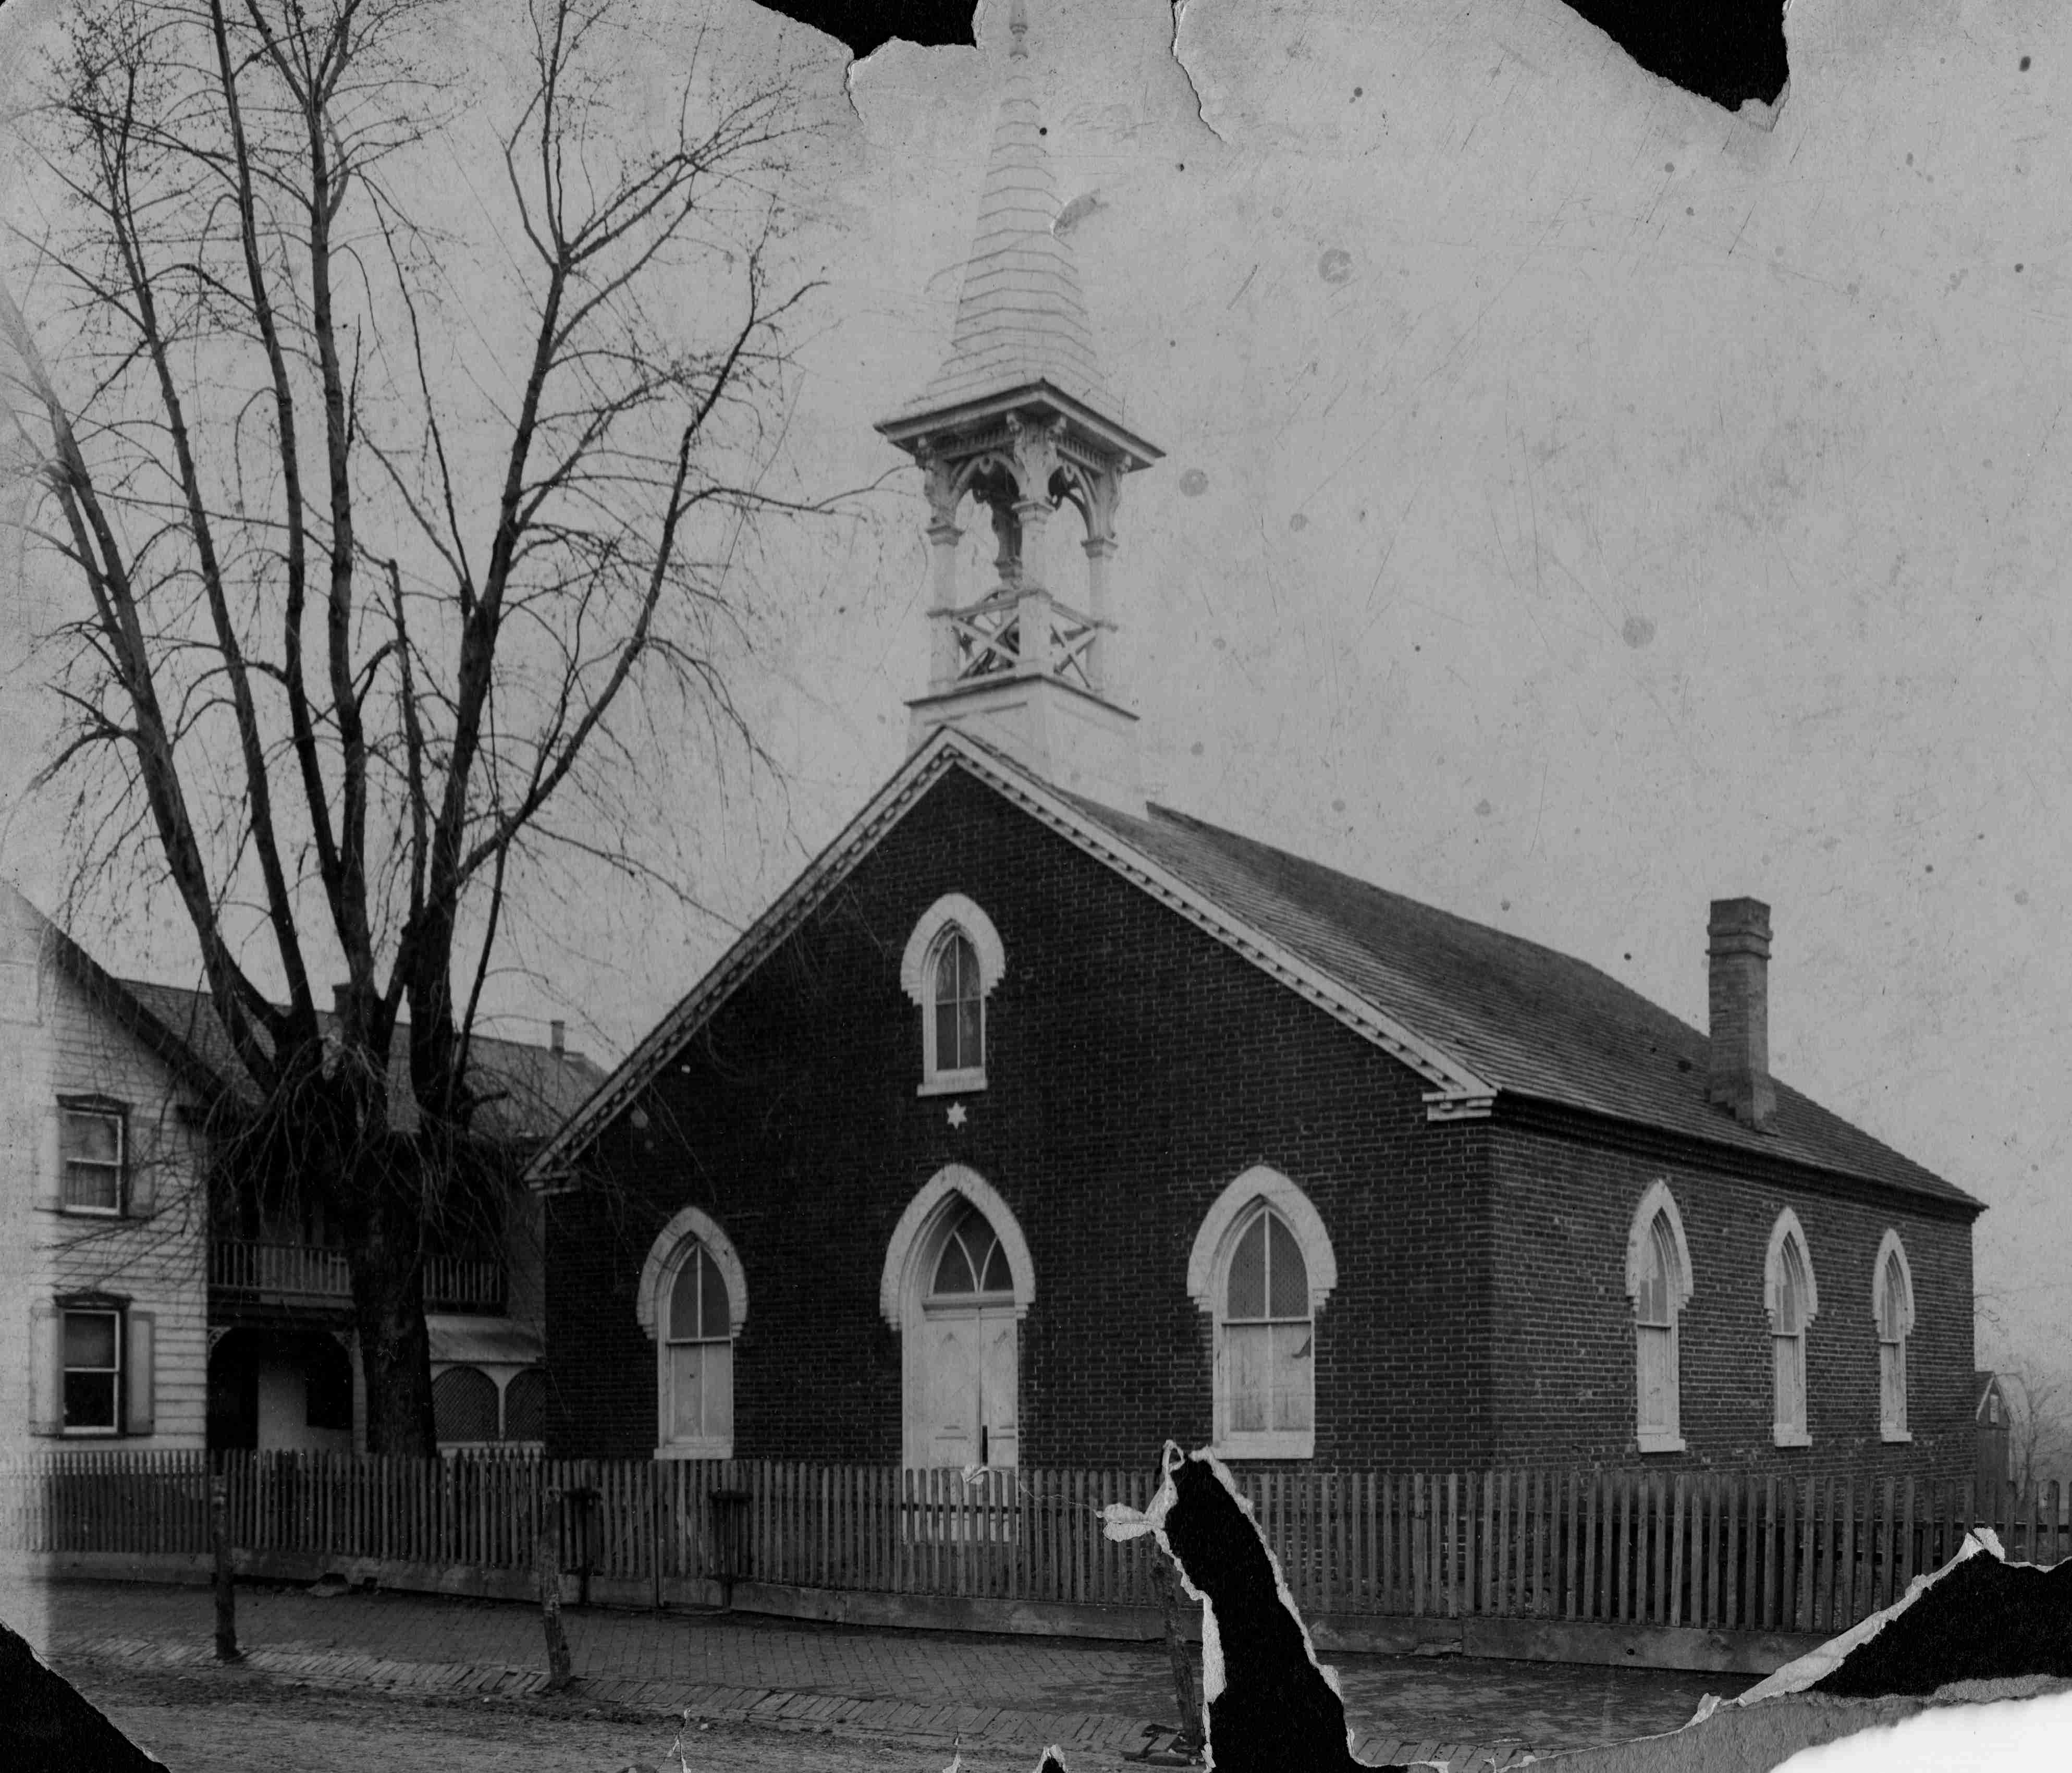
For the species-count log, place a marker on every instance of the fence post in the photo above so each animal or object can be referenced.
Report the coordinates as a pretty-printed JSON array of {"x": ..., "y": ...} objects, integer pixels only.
[
  {"x": 226, "y": 1590},
  {"x": 547, "y": 1562}
]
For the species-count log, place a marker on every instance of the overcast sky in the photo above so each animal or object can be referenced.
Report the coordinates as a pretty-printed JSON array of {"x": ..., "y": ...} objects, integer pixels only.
[{"x": 1578, "y": 504}]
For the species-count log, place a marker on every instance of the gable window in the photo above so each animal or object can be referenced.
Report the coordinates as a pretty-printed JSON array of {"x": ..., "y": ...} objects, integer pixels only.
[
  {"x": 91, "y": 1140},
  {"x": 693, "y": 1300},
  {"x": 1892, "y": 1308},
  {"x": 92, "y": 1371},
  {"x": 953, "y": 960},
  {"x": 959, "y": 1046},
  {"x": 1791, "y": 1300},
  {"x": 1262, "y": 1267},
  {"x": 1659, "y": 1282}
]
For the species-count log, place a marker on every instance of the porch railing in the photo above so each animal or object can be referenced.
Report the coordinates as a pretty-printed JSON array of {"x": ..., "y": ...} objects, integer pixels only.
[{"x": 297, "y": 1272}]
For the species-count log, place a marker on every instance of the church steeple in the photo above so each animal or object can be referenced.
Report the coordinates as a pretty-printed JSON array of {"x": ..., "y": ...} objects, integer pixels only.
[{"x": 1020, "y": 420}]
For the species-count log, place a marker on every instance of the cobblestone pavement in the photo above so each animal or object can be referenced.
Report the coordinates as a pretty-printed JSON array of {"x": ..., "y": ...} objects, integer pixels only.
[{"x": 925, "y": 1684}]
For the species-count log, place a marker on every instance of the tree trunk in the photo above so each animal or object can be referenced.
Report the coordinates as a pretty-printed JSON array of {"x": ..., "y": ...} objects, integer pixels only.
[
  {"x": 226, "y": 1589},
  {"x": 547, "y": 1571},
  {"x": 388, "y": 1310}
]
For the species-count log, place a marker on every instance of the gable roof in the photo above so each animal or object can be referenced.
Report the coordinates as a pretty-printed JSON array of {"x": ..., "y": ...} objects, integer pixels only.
[
  {"x": 1475, "y": 1012},
  {"x": 528, "y": 1091}
]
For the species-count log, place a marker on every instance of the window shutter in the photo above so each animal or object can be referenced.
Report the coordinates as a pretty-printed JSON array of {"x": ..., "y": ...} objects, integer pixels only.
[
  {"x": 50, "y": 1167},
  {"x": 46, "y": 1375},
  {"x": 140, "y": 1164},
  {"x": 141, "y": 1335}
]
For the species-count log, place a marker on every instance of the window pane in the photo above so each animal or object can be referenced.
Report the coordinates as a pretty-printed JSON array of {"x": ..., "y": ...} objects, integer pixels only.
[
  {"x": 89, "y": 1339},
  {"x": 719, "y": 1389},
  {"x": 713, "y": 1319},
  {"x": 998, "y": 1277},
  {"x": 1292, "y": 1346},
  {"x": 1287, "y": 1295},
  {"x": 1651, "y": 1304},
  {"x": 946, "y": 1036},
  {"x": 970, "y": 1047},
  {"x": 96, "y": 1138},
  {"x": 684, "y": 1303},
  {"x": 89, "y": 1400},
  {"x": 1246, "y": 1297},
  {"x": 464, "y": 1405},
  {"x": 91, "y": 1185},
  {"x": 1247, "y": 1359},
  {"x": 1791, "y": 1289},
  {"x": 1657, "y": 1382},
  {"x": 953, "y": 1273},
  {"x": 953, "y": 967},
  {"x": 1892, "y": 1300},
  {"x": 1788, "y": 1354},
  {"x": 687, "y": 1372}
]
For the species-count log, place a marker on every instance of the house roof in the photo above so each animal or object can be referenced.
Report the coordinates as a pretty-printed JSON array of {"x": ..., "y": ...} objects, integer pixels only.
[
  {"x": 1478, "y": 1014},
  {"x": 528, "y": 1090}
]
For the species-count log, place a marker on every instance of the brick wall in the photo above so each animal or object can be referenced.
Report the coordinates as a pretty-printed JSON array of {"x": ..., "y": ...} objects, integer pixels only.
[
  {"x": 1562, "y": 1326},
  {"x": 1135, "y": 1067}
]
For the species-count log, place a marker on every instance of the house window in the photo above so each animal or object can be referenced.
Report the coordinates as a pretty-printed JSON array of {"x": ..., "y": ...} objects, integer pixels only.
[
  {"x": 693, "y": 1300},
  {"x": 953, "y": 960},
  {"x": 525, "y": 1406},
  {"x": 1791, "y": 1302},
  {"x": 90, "y": 1149},
  {"x": 1892, "y": 1308},
  {"x": 92, "y": 1371},
  {"x": 1659, "y": 1282},
  {"x": 1269, "y": 1339},
  {"x": 700, "y": 1355},
  {"x": 1262, "y": 1267}
]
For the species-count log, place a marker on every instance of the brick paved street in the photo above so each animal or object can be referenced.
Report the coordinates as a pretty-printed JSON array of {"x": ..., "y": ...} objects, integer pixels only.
[{"x": 921, "y": 1683}]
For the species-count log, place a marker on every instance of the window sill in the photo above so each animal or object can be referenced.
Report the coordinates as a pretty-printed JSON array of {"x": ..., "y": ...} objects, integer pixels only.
[
  {"x": 695, "y": 1449},
  {"x": 1894, "y": 1437},
  {"x": 1660, "y": 1441},
  {"x": 83, "y": 1212},
  {"x": 1278, "y": 1444},
  {"x": 951, "y": 1084},
  {"x": 1790, "y": 1437}
]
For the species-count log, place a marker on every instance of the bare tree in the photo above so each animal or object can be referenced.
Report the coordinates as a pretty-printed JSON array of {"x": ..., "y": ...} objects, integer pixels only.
[
  {"x": 2039, "y": 1424},
  {"x": 392, "y": 513}
]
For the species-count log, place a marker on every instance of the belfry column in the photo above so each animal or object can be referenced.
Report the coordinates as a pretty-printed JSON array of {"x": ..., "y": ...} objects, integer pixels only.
[{"x": 944, "y": 536}]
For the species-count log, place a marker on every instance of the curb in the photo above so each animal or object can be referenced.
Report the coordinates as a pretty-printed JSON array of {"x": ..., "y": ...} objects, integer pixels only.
[{"x": 724, "y": 1704}]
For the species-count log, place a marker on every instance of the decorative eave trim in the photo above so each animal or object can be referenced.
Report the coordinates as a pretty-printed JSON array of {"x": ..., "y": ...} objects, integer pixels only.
[
  {"x": 906, "y": 428},
  {"x": 1456, "y": 1092}
]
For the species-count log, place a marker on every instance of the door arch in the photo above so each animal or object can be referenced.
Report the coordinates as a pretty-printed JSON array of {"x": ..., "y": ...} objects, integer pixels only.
[{"x": 958, "y": 1280}]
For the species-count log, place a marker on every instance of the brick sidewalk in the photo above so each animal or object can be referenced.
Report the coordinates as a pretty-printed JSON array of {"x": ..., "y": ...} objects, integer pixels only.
[{"x": 1020, "y": 1690}]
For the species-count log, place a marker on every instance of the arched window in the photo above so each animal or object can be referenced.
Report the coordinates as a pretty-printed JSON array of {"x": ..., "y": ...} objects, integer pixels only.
[
  {"x": 1262, "y": 1267},
  {"x": 972, "y": 1263},
  {"x": 692, "y": 1300},
  {"x": 956, "y": 1047},
  {"x": 1892, "y": 1307},
  {"x": 1658, "y": 1281},
  {"x": 1790, "y": 1301},
  {"x": 953, "y": 960},
  {"x": 464, "y": 1406},
  {"x": 698, "y": 1357},
  {"x": 525, "y": 1406}
]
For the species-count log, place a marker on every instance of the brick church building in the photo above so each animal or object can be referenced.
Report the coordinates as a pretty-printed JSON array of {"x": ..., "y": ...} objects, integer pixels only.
[{"x": 1034, "y": 1124}]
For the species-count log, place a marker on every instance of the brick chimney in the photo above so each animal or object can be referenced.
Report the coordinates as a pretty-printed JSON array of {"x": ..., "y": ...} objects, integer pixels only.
[
  {"x": 1739, "y": 994},
  {"x": 557, "y": 1038}
]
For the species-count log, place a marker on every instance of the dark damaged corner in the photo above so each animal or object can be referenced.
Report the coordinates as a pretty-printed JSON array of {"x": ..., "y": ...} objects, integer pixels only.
[{"x": 1731, "y": 51}]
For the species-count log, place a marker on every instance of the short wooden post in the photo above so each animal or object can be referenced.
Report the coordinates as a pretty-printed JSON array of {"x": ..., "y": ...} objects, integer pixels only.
[
  {"x": 547, "y": 1572},
  {"x": 226, "y": 1589}
]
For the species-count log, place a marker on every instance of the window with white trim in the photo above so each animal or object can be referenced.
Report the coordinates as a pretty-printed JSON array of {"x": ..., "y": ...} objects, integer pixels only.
[
  {"x": 92, "y": 1365},
  {"x": 1659, "y": 1282},
  {"x": 1268, "y": 1369},
  {"x": 697, "y": 1356},
  {"x": 92, "y": 1141},
  {"x": 953, "y": 960},
  {"x": 1262, "y": 1269},
  {"x": 1892, "y": 1307},
  {"x": 1791, "y": 1306}
]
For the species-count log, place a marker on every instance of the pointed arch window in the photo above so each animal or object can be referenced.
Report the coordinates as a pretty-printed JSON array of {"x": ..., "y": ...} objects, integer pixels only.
[
  {"x": 693, "y": 1301},
  {"x": 1792, "y": 1300},
  {"x": 1262, "y": 1268},
  {"x": 1892, "y": 1308},
  {"x": 1658, "y": 1283},
  {"x": 953, "y": 960}
]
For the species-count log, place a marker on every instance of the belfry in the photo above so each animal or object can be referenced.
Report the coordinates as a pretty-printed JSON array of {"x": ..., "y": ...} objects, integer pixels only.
[{"x": 1019, "y": 421}]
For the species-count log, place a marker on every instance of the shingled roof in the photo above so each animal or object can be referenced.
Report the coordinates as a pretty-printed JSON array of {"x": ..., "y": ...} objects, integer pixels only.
[
  {"x": 527, "y": 1091},
  {"x": 1021, "y": 317},
  {"x": 1479, "y": 1014},
  {"x": 1533, "y": 1021}
]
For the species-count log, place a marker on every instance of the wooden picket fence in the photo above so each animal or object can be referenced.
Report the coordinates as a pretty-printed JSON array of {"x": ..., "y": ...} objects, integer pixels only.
[{"x": 1630, "y": 1549}]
